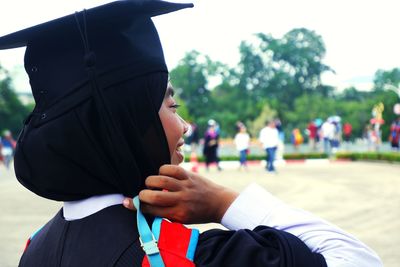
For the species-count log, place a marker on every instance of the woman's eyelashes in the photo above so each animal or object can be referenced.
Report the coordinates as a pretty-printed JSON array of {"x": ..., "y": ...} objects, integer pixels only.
[{"x": 175, "y": 106}]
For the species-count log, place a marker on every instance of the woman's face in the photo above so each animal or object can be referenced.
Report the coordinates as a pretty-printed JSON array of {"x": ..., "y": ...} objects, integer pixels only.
[{"x": 174, "y": 126}]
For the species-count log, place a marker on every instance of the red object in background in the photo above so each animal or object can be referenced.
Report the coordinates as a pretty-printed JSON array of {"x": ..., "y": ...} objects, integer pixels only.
[
  {"x": 347, "y": 128},
  {"x": 313, "y": 130},
  {"x": 376, "y": 121},
  {"x": 194, "y": 161}
]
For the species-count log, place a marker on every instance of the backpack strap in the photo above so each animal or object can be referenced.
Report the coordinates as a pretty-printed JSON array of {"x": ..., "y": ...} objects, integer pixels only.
[
  {"x": 28, "y": 242},
  {"x": 167, "y": 243},
  {"x": 147, "y": 239},
  {"x": 175, "y": 238}
]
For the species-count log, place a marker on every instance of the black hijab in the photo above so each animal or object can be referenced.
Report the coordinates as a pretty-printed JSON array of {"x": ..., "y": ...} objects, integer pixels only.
[
  {"x": 79, "y": 154},
  {"x": 98, "y": 78}
]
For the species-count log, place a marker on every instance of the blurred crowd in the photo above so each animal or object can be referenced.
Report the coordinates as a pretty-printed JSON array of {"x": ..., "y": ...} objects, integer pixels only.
[
  {"x": 321, "y": 136},
  {"x": 7, "y": 148},
  {"x": 325, "y": 136}
]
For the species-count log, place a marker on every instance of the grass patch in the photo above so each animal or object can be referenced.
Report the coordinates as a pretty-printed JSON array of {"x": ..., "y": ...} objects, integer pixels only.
[
  {"x": 291, "y": 156},
  {"x": 354, "y": 156},
  {"x": 373, "y": 156}
]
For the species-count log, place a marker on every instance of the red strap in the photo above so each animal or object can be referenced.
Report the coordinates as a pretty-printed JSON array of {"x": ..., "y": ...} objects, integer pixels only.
[
  {"x": 173, "y": 244},
  {"x": 27, "y": 244}
]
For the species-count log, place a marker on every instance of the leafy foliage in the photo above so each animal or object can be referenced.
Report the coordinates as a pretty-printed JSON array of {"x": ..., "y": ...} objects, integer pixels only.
[
  {"x": 277, "y": 77},
  {"x": 12, "y": 111},
  {"x": 372, "y": 156},
  {"x": 389, "y": 80},
  {"x": 267, "y": 114}
]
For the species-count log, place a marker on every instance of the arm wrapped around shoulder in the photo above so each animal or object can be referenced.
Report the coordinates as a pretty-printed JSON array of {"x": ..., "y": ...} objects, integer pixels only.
[{"x": 264, "y": 246}]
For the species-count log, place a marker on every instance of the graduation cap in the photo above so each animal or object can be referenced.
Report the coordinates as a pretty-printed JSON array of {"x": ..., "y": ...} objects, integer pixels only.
[
  {"x": 86, "y": 135},
  {"x": 118, "y": 39}
]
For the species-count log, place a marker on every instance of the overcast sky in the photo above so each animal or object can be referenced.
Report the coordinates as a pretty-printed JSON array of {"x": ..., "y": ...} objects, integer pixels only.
[{"x": 360, "y": 36}]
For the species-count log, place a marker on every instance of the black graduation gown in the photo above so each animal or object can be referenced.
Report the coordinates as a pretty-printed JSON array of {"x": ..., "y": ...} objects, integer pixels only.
[{"x": 102, "y": 240}]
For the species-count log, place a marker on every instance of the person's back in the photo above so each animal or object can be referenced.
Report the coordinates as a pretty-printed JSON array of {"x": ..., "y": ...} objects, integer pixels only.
[
  {"x": 106, "y": 238},
  {"x": 96, "y": 130}
]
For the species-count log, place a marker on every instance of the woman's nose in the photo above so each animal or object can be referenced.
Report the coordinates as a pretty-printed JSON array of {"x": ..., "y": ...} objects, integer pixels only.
[{"x": 185, "y": 125}]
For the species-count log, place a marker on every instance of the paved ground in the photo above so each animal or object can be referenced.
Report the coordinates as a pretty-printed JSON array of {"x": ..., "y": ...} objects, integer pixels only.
[{"x": 362, "y": 198}]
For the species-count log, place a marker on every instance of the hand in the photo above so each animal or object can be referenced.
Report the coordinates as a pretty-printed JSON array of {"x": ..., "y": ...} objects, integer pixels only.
[{"x": 183, "y": 196}]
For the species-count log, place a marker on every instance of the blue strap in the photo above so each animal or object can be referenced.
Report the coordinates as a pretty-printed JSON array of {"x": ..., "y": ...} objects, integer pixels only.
[
  {"x": 194, "y": 239},
  {"x": 147, "y": 239},
  {"x": 35, "y": 233}
]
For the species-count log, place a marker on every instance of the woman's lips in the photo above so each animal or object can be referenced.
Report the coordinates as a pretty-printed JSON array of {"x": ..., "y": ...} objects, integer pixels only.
[{"x": 179, "y": 151}]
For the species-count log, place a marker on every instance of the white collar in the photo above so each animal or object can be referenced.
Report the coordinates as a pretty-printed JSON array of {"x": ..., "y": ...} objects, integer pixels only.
[{"x": 74, "y": 210}]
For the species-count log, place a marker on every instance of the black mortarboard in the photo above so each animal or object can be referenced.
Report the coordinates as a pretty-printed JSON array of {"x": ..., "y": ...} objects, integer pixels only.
[
  {"x": 91, "y": 131},
  {"x": 121, "y": 35}
]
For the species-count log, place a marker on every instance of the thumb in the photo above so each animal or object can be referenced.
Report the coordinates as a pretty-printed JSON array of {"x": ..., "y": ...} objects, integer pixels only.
[{"x": 128, "y": 203}]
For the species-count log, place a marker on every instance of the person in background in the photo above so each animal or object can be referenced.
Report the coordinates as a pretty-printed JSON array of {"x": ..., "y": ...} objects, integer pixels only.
[
  {"x": 238, "y": 125},
  {"x": 193, "y": 137},
  {"x": 394, "y": 137},
  {"x": 269, "y": 138},
  {"x": 337, "y": 134},
  {"x": 312, "y": 130},
  {"x": 368, "y": 136},
  {"x": 327, "y": 134},
  {"x": 347, "y": 131},
  {"x": 242, "y": 142},
  {"x": 281, "y": 144},
  {"x": 1, "y": 153},
  {"x": 211, "y": 143},
  {"x": 8, "y": 148},
  {"x": 297, "y": 139}
]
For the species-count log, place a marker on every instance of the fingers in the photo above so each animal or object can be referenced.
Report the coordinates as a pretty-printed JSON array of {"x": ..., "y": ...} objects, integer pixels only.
[
  {"x": 159, "y": 198},
  {"x": 173, "y": 213},
  {"x": 173, "y": 171},
  {"x": 163, "y": 183},
  {"x": 153, "y": 199}
]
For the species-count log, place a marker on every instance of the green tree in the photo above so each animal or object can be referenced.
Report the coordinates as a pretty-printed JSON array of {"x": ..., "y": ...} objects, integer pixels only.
[
  {"x": 12, "y": 111},
  {"x": 386, "y": 90},
  {"x": 387, "y": 79},
  {"x": 280, "y": 77},
  {"x": 183, "y": 109},
  {"x": 299, "y": 53},
  {"x": 306, "y": 108},
  {"x": 230, "y": 105},
  {"x": 266, "y": 114},
  {"x": 352, "y": 94},
  {"x": 190, "y": 82},
  {"x": 281, "y": 70}
]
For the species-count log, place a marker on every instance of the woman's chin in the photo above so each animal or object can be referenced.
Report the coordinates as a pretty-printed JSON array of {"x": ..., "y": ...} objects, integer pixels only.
[{"x": 177, "y": 158}]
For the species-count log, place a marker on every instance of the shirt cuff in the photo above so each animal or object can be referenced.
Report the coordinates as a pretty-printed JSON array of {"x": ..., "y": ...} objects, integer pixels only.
[{"x": 250, "y": 209}]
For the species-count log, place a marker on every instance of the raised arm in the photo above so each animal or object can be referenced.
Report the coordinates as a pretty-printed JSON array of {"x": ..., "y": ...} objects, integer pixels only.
[
  {"x": 192, "y": 198},
  {"x": 256, "y": 206}
]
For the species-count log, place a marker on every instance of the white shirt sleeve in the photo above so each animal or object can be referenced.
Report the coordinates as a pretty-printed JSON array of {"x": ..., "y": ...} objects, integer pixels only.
[{"x": 256, "y": 206}]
